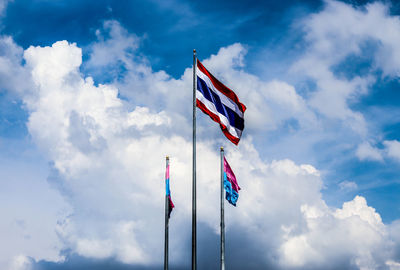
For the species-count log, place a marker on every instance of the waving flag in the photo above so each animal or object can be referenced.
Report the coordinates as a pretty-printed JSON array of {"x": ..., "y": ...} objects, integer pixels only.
[
  {"x": 168, "y": 192},
  {"x": 230, "y": 184},
  {"x": 220, "y": 103}
]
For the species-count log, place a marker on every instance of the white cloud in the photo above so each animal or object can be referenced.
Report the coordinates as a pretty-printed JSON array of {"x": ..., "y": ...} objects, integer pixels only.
[
  {"x": 366, "y": 152},
  {"x": 326, "y": 238},
  {"x": 269, "y": 104},
  {"x": 393, "y": 265},
  {"x": 337, "y": 32},
  {"x": 348, "y": 185},
  {"x": 24, "y": 190},
  {"x": 20, "y": 262},
  {"x": 108, "y": 154},
  {"x": 101, "y": 150},
  {"x": 114, "y": 45},
  {"x": 109, "y": 166},
  {"x": 392, "y": 149},
  {"x": 358, "y": 207},
  {"x": 13, "y": 76}
]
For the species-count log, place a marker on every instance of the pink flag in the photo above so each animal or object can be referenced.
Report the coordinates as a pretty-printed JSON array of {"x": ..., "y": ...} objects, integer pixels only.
[
  {"x": 231, "y": 176},
  {"x": 230, "y": 184}
]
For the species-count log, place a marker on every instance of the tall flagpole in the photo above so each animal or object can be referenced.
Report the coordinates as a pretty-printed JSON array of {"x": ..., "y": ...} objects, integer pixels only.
[
  {"x": 166, "y": 223},
  {"x": 222, "y": 213},
  {"x": 194, "y": 240}
]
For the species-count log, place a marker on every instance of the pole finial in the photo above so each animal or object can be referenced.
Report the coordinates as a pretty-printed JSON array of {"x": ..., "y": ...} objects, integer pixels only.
[
  {"x": 222, "y": 148},
  {"x": 194, "y": 51},
  {"x": 167, "y": 157}
]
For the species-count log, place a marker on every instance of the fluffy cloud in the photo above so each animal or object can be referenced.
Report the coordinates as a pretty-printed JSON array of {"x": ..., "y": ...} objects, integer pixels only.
[
  {"x": 90, "y": 136},
  {"x": 107, "y": 154},
  {"x": 355, "y": 220},
  {"x": 108, "y": 163}
]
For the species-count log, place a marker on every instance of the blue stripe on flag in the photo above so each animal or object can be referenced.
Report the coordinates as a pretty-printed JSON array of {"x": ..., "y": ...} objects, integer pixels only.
[
  {"x": 234, "y": 119},
  {"x": 230, "y": 195},
  {"x": 167, "y": 191}
]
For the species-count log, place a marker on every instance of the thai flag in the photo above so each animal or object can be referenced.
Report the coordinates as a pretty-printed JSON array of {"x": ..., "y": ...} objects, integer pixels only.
[
  {"x": 168, "y": 192},
  {"x": 230, "y": 184},
  {"x": 220, "y": 103}
]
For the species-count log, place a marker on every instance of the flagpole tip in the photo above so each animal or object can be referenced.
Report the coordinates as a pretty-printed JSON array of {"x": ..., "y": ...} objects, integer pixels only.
[
  {"x": 167, "y": 157},
  {"x": 222, "y": 148},
  {"x": 194, "y": 50}
]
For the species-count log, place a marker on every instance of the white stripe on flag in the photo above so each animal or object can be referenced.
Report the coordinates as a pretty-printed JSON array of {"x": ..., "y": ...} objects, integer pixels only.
[
  {"x": 211, "y": 107},
  {"x": 224, "y": 99}
]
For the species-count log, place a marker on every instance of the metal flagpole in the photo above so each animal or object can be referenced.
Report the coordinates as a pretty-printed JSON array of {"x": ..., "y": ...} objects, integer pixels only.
[
  {"x": 194, "y": 240},
  {"x": 166, "y": 224},
  {"x": 222, "y": 213}
]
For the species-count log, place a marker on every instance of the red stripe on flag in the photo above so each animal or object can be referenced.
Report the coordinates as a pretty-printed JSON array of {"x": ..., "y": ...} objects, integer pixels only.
[
  {"x": 221, "y": 87},
  {"x": 216, "y": 118},
  {"x": 170, "y": 206}
]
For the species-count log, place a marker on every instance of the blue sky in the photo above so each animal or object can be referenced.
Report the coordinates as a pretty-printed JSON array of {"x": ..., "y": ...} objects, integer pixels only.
[{"x": 93, "y": 96}]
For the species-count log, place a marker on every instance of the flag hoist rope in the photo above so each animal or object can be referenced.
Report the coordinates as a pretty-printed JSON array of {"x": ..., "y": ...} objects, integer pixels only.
[{"x": 194, "y": 251}]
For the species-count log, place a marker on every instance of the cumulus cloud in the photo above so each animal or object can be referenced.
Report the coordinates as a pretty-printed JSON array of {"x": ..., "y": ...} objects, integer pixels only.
[
  {"x": 108, "y": 163},
  {"x": 354, "y": 220},
  {"x": 107, "y": 154}
]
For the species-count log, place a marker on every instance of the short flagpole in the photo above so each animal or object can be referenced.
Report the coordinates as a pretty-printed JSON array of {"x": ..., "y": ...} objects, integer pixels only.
[
  {"x": 166, "y": 223},
  {"x": 222, "y": 212},
  {"x": 194, "y": 235}
]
